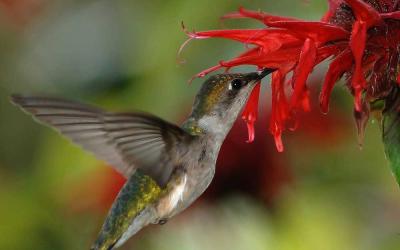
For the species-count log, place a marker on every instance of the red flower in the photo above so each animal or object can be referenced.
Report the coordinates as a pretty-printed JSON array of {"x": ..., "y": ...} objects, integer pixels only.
[{"x": 362, "y": 39}]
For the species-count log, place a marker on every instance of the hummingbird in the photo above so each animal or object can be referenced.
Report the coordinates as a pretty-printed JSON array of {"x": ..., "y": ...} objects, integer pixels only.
[{"x": 167, "y": 167}]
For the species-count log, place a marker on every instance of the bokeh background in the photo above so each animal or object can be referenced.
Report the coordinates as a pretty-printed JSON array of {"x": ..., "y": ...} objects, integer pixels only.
[{"x": 321, "y": 193}]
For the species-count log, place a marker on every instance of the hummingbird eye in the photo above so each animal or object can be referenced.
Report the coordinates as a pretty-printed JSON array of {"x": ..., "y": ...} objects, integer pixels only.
[{"x": 236, "y": 84}]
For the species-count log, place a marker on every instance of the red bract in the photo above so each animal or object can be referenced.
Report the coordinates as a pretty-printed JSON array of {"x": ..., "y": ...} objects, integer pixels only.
[
  {"x": 362, "y": 39},
  {"x": 250, "y": 112}
]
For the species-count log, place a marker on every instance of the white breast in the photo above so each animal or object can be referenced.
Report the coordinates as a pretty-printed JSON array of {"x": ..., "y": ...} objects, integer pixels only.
[{"x": 176, "y": 194}]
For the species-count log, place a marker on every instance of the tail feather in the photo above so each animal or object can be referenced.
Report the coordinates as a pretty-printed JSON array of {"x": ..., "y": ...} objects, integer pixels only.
[{"x": 132, "y": 210}]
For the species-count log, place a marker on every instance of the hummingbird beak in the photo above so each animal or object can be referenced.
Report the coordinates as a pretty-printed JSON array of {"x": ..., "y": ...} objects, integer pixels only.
[
  {"x": 257, "y": 76},
  {"x": 264, "y": 73}
]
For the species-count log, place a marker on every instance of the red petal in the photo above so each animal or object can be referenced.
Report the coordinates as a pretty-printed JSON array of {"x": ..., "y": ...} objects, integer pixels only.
[
  {"x": 244, "y": 36},
  {"x": 284, "y": 59},
  {"x": 250, "y": 111},
  {"x": 357, "y": 44},
  {"x": 305, "y": 100},
  {"x": 330, "y": 50},
  {"x": 333, "y": 5},
  {"x": 392, "y": 15},
  {"x": 398, "y": 79},
  {"x": 245, "y": 58},
  {"x": 269, "y": 39},
  {"x": 279, "y": 110},
  {"x": 320, "y": 32},
  {"x": 233, "y": 15},
  {"x": 278, "y": 142},
  {"x": 258, "y": 15},
  {"x": 364, "y": 12},
  {"x": 337, "y": 67},
  {"x": 208, "y": 71},
  {"x": 362, "y": 118},
  {"x": 235, "y": 34},
  {"x": 304, "y": 67}
]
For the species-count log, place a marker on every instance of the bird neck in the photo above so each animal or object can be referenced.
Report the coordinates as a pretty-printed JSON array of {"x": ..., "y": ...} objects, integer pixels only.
[
  {"x": 191, "y": 125},
  {"x": 209, "y": 126}
]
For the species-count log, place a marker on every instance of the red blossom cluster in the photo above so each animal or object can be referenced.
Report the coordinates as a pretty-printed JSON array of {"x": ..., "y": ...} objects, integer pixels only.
[{"x": 362, "y": 39}]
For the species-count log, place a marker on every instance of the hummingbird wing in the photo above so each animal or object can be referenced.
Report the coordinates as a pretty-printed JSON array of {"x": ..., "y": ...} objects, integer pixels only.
[{"x": 127, "y": 141}]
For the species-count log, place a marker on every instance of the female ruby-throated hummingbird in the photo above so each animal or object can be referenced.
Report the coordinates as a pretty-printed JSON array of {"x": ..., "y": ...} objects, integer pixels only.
[{"x": 167, "y": 167}]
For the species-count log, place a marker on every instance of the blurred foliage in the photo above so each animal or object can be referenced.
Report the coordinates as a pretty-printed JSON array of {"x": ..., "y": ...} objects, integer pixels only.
[
  {"x": 391, "y": 135},
  {"x": 122, "y": 55}
]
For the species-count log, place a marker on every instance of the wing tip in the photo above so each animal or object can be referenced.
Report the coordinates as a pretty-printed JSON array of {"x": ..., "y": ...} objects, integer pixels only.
[
  {"x": 16, "y": 99},
  {"x": 19, "y": 100},
  {"x": 23, "y": 102}
]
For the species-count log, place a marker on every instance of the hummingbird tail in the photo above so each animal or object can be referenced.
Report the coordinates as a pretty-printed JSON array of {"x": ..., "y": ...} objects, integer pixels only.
[
  {"x": 144, "y": 218},
  {"x": 132, "y": 210}
]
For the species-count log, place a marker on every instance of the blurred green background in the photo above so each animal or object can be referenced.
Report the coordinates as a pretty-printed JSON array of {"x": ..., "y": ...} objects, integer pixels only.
[{"x": 321, "y": 193}]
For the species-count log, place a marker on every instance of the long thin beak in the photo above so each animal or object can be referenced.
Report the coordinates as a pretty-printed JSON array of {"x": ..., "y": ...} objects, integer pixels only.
[
  {"x": 257, "y": 76},
  {"x": 264, "y": 73}
]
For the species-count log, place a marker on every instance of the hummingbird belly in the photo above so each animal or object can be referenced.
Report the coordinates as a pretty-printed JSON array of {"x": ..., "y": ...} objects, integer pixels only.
[
  {"x": 185, "y": 191},
  {"x": 172, "y": 197}
]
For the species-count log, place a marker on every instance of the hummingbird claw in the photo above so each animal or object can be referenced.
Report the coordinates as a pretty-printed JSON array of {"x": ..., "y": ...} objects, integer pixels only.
[{"x": 162, "y": 221}]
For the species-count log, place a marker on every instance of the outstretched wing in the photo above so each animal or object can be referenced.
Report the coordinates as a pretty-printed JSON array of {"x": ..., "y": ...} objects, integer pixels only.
[{"x": 127, "y": 141}]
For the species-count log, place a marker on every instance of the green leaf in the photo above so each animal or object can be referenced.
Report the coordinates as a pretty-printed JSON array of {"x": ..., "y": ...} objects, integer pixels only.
[{"x": 391, "y": 131}]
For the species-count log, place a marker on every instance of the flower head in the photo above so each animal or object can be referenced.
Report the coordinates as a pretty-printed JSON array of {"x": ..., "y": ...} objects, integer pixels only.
[{"x": 361, "y": 39}]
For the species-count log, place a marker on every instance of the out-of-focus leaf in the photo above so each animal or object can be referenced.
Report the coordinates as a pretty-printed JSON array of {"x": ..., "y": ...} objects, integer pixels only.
[{"x": 391, "y": 131}]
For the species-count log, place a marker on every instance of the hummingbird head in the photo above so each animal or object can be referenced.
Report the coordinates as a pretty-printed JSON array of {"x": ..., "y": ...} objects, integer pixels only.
[{"x": 220, "y": 100}]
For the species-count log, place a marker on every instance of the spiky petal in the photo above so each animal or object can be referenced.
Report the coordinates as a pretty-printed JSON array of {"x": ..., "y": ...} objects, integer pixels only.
[
  {"x": 250, "y": 112},
  {"x": 361, "y": 37}
]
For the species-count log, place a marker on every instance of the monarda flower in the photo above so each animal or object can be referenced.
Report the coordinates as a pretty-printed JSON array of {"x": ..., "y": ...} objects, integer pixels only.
[{"x": 361, "y": 40}]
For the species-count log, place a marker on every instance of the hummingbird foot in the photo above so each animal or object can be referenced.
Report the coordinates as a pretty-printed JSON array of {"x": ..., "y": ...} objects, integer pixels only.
[{"x": 162, "y": 221}]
